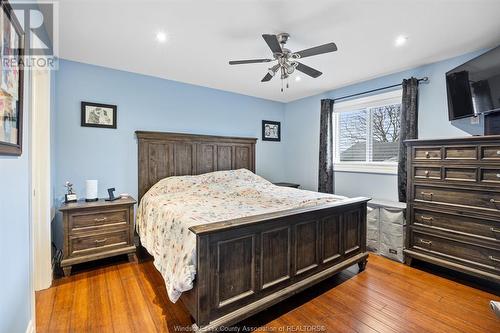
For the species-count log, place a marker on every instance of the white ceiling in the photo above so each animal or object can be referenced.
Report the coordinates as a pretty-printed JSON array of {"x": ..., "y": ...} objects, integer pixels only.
[{"x": 203, "y": 35}]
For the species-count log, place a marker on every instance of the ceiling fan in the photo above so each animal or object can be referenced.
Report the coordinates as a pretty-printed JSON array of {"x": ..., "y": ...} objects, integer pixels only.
[{"x": 287, "y": 60}]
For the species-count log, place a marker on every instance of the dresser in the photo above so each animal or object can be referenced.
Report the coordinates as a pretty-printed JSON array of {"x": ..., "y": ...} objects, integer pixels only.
[
  {"x": 453, "y": 204},
  {"x": 96, "y": 230}
]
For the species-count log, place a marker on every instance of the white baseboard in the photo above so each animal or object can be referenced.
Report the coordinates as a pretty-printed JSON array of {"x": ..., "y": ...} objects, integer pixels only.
[{"x": 30, "y": 328}]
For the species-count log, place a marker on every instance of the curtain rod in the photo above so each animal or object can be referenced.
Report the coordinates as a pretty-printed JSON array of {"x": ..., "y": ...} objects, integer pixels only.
[{"x": 425, "y": 79}]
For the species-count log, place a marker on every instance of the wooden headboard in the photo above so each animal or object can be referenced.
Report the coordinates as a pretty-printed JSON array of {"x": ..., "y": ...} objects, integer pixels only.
[{"x": 174, "y": 154}]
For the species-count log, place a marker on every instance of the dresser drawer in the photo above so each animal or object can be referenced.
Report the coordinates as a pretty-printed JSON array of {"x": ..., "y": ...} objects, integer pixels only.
[
  {"x": 490, "y": 176},
  {"x": 461, "y": 252},
  {"x": 427, "y": 153},
  {"x": 92, "y": 219},
  {"x": 424, "y": 172},
  {"x": 461, "y": 174},
  {"x": 460, "y": 153},
  {"x": 491, "y": 153},
  {"x": 470, "y": 226},
  {"x": 464, "y": 197},
  {"x": 82, "y": 245}
]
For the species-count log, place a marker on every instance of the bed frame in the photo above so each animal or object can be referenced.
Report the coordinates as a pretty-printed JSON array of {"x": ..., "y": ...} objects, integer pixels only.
[{"x": 248, "y": 264}]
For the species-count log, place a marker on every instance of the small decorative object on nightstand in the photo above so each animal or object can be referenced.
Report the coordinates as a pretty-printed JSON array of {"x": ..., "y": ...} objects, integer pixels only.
[
  {"x": 287, "y": 185},
  {"x": 96, "y": 230},
  {"x": 70, "y": 196}
]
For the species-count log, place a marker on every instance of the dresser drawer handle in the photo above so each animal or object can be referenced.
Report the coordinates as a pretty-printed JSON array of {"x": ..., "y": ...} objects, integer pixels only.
[
  {"x": 494, "y": 259},
  {"x": 498, "y": 175},
  {"x": 427, "y": 173},
  {"x": 495, "y": 230},
  {"x": 101, "y": 240},
  {"x": 493, "y": 201},
  {"x": 426, "y": 242},
  {"x": 498, "y": 152},
  {"x": 426, "y": 218},
  {"x": 427, "y": 154},
  {"x": 101, "y": 219},
  {"x": 424, "y": 194}
]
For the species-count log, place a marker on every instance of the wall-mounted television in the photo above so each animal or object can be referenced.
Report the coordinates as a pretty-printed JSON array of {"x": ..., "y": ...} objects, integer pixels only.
[{"x": 474, "y": 87}]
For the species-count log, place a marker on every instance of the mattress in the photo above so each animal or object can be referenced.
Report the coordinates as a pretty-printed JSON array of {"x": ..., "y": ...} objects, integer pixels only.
[{"x": 175, "y": 204}]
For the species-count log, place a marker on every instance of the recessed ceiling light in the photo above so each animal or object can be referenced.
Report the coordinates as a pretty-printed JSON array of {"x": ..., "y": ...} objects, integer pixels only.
[
  {"x": 401, "y": 40},
  {"x": 161, "y": 36},
  {"x": 298, "y": 78}
]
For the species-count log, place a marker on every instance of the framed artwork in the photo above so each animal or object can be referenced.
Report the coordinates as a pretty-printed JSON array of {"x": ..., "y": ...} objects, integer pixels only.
[
  {"x": 271, "y": 130},
  {"x": 98, "y": 115},
  {"x": 11, "y": 82}
]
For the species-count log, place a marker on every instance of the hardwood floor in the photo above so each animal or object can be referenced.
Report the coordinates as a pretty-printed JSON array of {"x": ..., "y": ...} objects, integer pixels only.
[{"x": 118, "y": 296}]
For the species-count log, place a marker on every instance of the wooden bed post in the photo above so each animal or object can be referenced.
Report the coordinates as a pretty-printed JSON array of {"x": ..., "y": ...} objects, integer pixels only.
[{"x": 202, "y": 290}]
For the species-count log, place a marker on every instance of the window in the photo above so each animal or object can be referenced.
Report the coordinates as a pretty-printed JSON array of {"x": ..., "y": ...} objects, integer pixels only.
[{"x": 367, "y": 133}]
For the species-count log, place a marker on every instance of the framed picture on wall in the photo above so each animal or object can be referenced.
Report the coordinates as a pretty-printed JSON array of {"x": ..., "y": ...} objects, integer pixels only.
[
  {"x": 11, "y": 82},
  {"x": 98, "y": 115},
  {"x": 271, "y": 130}
]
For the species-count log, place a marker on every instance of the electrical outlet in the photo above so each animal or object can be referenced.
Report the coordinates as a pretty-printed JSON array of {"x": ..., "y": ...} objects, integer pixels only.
[{"x": 474, "y": 120}]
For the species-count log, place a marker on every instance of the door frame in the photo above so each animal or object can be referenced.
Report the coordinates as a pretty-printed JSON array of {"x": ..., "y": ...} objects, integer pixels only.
[{"x": 41, "y": 208}]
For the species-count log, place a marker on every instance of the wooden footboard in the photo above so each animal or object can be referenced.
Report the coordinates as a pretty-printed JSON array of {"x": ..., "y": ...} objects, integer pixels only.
[{"x": 246, "y": 265}]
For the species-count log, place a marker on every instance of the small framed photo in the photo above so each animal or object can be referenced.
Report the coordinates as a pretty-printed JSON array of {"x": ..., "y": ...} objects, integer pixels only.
[
  {"x": 98, "y": 115},
  {"x": 271, "y": 130}
]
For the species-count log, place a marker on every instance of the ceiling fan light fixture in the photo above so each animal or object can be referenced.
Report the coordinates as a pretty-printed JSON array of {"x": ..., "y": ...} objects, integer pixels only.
[
  {"x": 400, "y": 40},
  {"x": 287, "y": 60},
  {"x": 161, "y": 36}
]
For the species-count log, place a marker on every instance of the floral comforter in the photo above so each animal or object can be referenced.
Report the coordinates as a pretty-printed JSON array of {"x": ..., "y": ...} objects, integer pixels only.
[{"x": 174, "y": 204}]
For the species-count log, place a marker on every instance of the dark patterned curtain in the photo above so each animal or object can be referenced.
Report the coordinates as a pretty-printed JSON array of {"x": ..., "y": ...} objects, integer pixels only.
[
  {"x": 325, "y": 174},
  {"x": 409, "y": 129}
]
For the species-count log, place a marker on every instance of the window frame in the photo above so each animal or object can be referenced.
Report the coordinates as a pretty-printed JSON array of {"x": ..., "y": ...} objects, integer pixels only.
[{"x": 372, "y": 101}]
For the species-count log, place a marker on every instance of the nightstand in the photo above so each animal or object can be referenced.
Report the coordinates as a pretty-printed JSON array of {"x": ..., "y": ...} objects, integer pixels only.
[
  {"x": 96, "y": 230},
  {"x": 287, "y": 185}
]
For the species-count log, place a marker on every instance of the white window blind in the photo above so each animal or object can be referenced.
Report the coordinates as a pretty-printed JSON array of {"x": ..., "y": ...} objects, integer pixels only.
[{"x": 367, "y": 133}]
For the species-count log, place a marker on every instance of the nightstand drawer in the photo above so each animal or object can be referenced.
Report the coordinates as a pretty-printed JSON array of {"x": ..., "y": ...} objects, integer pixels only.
[
  {"x": 89, "y": 220},
  {"x": 83, "y": 245}
]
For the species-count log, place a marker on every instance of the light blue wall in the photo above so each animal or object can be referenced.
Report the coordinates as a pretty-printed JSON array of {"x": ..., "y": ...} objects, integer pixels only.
[
  {"x": 15, "y": 282},
  {"x": 146, "y": 103},
  {"x": 302, "y": 130}
]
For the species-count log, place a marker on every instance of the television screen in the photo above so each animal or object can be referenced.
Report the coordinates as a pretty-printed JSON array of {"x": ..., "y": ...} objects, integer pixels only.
[{"x": 474, "y": 87}]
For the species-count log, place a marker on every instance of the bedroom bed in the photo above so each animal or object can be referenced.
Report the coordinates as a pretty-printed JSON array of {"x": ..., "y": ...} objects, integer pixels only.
[{"x": 247, "y": 244}]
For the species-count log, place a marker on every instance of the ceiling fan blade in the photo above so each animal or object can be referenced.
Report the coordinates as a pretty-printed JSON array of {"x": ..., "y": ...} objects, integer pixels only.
[
  {"x": 269, "y": 76},
  {"x": 308, "y": 70},
  {"x": 251, "y": 61},
  {"x": 272, "y": 42},
  {"x": 326, "y": 48},
  {"x": 266, "y": 78}
]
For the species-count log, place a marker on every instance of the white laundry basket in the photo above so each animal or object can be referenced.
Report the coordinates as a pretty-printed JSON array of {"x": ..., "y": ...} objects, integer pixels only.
[{"x": 386, "y": 231}]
